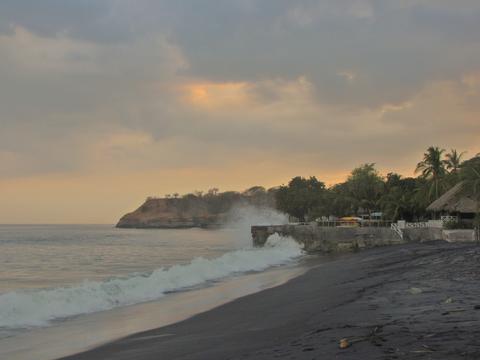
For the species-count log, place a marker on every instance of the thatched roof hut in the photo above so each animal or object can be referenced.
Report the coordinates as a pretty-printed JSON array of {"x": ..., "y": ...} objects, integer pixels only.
[{"x": 455, "y": 200}]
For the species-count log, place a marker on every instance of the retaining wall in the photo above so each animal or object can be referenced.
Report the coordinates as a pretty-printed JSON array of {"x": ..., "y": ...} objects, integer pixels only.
[
  {"x": 329, "y": 239},
  {"x": 422, "y": 234},
  {"x": 460, "y": 235},
  {"x": 333, "y": 239}
]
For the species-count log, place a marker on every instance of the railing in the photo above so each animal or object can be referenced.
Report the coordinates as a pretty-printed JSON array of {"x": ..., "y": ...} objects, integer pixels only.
[
  {"x": 421, "y": 224},
  {"x": 352, "y": 223},
  {"x": 397, "y": 230},
  {"x": 448, "y": 218},
  {"x": 396, "y": 226}
]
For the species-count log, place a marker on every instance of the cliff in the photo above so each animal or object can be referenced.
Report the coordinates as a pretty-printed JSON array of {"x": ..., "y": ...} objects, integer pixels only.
[
  {"x": 210, "y": 210},
  {"x": 167, "y": 213}
]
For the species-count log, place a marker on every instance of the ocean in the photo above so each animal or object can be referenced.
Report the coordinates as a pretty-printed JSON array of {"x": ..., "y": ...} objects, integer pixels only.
[{"x": 54, "y": 274}]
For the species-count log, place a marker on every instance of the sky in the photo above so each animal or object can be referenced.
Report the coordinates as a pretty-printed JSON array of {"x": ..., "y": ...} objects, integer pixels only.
[{"x": 106, "y": 102}]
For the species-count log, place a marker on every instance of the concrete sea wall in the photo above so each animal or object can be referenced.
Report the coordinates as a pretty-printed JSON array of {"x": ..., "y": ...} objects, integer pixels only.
[
  {"x": 329, "y": 239},
  {"x": 459, "y": 235},
  {"x": 422, "y": 234},
  {"x": 317, "y": 238}
]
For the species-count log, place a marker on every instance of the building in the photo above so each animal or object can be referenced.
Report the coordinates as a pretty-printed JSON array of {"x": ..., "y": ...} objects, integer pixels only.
[{"x": 458, "y": 202}]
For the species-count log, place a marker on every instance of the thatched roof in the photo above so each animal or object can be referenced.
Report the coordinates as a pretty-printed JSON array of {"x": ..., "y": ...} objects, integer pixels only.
[{"x": 455, "y": 200}]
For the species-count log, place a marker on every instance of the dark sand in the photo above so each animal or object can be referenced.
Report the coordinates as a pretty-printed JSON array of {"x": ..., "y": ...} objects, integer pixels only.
[{"x": 418, "y": 301}]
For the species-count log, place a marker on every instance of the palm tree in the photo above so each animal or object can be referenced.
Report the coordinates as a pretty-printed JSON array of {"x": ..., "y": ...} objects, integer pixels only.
[
  {"x": 453, "y": 160},
  {"x": 432, "y": 167}
]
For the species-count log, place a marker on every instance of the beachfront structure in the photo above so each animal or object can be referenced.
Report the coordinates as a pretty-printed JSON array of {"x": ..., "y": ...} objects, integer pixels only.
[{"x": 456, "y": 202}]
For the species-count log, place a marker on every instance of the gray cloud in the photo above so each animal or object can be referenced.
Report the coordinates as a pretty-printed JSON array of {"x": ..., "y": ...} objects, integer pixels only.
[
  {"x": 393, "y": 48},
  {"x": 74, "y": 73}
]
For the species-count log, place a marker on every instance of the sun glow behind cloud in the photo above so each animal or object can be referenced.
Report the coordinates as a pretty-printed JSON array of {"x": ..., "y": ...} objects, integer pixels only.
[{"x": 217, "y": 95}]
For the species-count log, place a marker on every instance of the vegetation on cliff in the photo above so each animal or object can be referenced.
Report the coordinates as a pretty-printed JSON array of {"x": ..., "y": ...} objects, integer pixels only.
[{"x": 365, "y": 191}]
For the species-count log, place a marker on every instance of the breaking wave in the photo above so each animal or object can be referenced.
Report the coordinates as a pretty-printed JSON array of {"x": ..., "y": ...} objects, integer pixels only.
[{"x": 40, "y": 307}]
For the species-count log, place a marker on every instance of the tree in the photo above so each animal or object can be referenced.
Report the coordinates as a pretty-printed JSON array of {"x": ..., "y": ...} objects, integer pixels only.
[
  {"x": 259, "y": 196},
  {"x": 453, "y": 160},
  {"x": 301, "y": 196},
  {"x": 396, "y": 204},
  {"x": 223, "y": 202},
  {"x": 398, "y": 201},
  {"x": 364, "y": 188},
  {"x": 393, "y": 180},
  {"x": 340, "y": 201},
  {"x": 432, "y": 168},
  {"x": 254, "y": 190},
  {"x": 212, "y": 192}
]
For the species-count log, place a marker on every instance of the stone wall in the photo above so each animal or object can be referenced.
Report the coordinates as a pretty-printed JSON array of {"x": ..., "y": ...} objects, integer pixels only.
[
  {"x": 334, "y": 239},
  {"x": 329, "y": 239},
  {"x": 459, "y": 235},
  {"x": 422, "y": 234}
]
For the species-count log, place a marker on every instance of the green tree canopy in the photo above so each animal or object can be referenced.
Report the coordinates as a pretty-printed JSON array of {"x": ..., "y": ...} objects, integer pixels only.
[
  {"x": 301, "y": 196},
  {"x": 399, "y": 199},
  {"x": 364, "y": 188}
]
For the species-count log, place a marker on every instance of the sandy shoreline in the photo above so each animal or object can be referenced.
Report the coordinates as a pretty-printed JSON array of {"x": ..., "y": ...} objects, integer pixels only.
[
  {"x": 88, "y": 331},
  {"x": 401, "y": 302}
]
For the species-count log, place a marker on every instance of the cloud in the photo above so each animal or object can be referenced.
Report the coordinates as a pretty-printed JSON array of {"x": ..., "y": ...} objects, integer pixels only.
[
  {"x": 349, "y": 76},
  {"x": 55, "y": 88},
  {"x": 241, "y": 92}
]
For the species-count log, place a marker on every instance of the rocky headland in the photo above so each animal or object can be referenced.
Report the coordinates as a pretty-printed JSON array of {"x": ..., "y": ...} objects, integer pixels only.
[
  {"x": 167, "y": 213},
  {"x": 194, "y": 210}
]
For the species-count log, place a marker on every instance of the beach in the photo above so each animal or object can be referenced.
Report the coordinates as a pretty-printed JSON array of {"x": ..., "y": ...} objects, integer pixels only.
[
  {"x": 54, "y": 303},
  {"x": 414, "y": 301}
]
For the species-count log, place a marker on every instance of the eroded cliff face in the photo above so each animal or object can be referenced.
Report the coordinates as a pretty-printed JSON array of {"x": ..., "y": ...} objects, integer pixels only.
[
  {"x": 210, "y": 210},
  {"x": 170, "y": 213}
]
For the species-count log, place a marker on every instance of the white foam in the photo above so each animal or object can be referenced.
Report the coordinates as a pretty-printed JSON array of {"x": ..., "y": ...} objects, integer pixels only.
[{"x": 40, "y": 307}]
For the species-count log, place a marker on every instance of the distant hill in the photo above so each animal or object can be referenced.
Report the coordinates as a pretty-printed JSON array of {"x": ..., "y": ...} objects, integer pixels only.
[{"x": 194, "y": 210}]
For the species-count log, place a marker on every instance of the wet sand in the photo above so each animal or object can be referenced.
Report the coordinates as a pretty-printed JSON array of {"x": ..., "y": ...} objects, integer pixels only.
[{"x": 416, "y": 301}]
